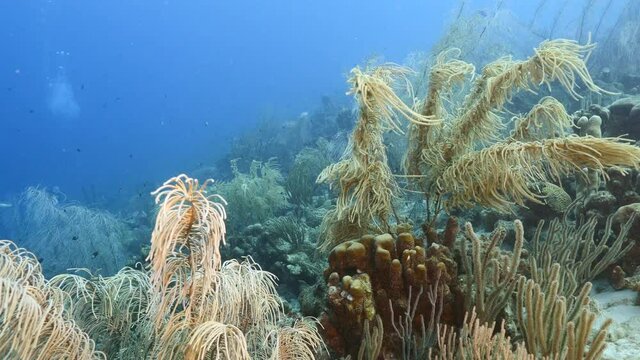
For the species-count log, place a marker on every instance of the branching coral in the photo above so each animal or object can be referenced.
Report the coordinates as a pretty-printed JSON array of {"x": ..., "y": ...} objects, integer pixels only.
[
  {"x": 555, "y": 60},
  {"x": 477, "y": 340},
  {"x": 446, "y": 72},
  {"x": 214, "y": 340},
  {"x": 504, "y": 173},
  {"x": 300, "y": 182},
  {"x": 576, "y": 250},
  {"x": 546, "y": 119},
  {"x": 296, "y": 342},
  {"x": 68, "y": 235},
  {"x": 112, "y": 310},
  {"x": 557, "y": 327},
  {"x": 494, "y": 275},
  {"x": 188, "y": 305}
]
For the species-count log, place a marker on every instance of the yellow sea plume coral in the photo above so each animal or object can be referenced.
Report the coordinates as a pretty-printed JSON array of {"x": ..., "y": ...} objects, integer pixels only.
[
  {"x": 373, "y": 88},
  {"x": 188, "y": 232},
  {"x": 447, "y": 72},
  {"x": 499, "y": 176},
  {"x": 33, "y": 320},
  {"x": 548, "y": 118},
  {"x": 297, "y": 342},
  {"x": 214, "y": 340},
  {"x": 554, "y": 60},
  {"x": 563, "y": 60},
  {"x": 365, "y": 181}
]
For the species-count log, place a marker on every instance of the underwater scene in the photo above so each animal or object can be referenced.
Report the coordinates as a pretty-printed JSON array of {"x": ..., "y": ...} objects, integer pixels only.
[{"x": 363, "y": 180}]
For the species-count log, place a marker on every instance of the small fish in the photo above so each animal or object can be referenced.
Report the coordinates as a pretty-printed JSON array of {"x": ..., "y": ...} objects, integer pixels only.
[
  {"x": 40, "y": 260},
  {"x": 130, "y": 156},
  {"x": 75, "y": 237},
  {"x": 94, "y": 254},
  {"x": 5, "y": 205},
  {"x": 78, "y": 150}
]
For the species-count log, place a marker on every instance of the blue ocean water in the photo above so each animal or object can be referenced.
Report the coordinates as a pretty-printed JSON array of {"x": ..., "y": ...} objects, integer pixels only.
[{"x": 110, "y": 96}]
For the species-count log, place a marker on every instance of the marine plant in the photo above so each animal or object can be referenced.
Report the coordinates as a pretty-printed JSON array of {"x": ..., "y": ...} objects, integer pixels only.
[{"x": 469, "y": 164}]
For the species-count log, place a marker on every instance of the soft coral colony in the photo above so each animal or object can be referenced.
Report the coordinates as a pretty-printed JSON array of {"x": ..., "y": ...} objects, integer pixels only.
[
  {"x": 448, "y": 294},
  {"x": 187, "y": 305}
]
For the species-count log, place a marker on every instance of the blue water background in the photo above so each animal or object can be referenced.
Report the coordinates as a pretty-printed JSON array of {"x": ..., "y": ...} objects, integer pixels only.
[{"x": 112, "y": 97}]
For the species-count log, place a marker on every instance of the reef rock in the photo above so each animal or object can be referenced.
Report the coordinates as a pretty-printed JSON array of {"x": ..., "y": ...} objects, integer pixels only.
[{"x": 624, "y": 118}]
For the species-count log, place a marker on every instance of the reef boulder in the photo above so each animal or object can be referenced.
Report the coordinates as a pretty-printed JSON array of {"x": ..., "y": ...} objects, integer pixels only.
[{"x": 624, "y": 118}]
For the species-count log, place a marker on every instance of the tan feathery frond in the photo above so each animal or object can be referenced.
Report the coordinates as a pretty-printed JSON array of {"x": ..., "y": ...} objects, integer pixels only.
[
  {"x": 215, "y": 340},
  {"x": 19, "y": 264},
  {"x": 363, "y": 176},
  {"x": 563, "y": 60},
  {"x": 186, "y": 209},
  {"x": 373, "y": 88},
  {"x": 189, "y": 225},
  {"x": 501, "y": 175},
  {"x": 548, "y": 118},
  {"x": 33, "y": 319},
  {"x": 447, "y": 72},
  {"x": 554, "y": 60},
  {"x": 246, "y": 296},
  {"x": 298, "y": 342}
]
